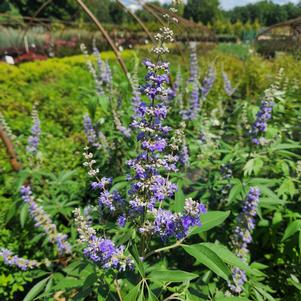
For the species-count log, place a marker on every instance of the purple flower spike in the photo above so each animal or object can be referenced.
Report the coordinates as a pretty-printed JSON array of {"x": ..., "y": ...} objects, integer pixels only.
[
  {"x": 13, "y": 260},
  {"x": 34, "y": 138},
  {"x": 242, "y": 236},
  {"x": 260, "y": 125},
  {"x": 44, "y": 221}
]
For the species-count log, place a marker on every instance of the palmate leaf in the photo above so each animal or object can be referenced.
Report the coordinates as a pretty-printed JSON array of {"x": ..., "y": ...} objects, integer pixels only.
[
  {"x": 210, "y": 220},
  {"x": 133, "y": 294},
  {"x": 209, "y": 258},
  {"x": 253, "y": 166},
  {"x": 171, "y": 276},
  {"x": 151, "y": 296}
]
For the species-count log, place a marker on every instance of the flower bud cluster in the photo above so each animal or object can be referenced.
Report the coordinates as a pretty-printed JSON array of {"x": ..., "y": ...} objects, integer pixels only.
[
  {"x": 165, "y": 35},
  {"x": 44, "y": 221},
  {"x": 90, "y": 162},
  {"x": 13, "y": 260}
]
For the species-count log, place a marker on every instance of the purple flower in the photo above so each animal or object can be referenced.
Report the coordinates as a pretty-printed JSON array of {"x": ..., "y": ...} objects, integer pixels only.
[
  {"x": 136, "y": 93},
  {"x": 90, "y": 132},
  {"x": 184, "y": 155},
  {"x": 208, "y": 82},
  {"x": 107, "y": 75},
  {"x": 178, "y": 82},
  {"x": 100, "y": 250},
  {"x": 242, "y": 235},
  {"x": 167, "y": 224},
  {"x": 194, "y": 104},
  {"x": 148, "y": 187},
  {"x": 260, "y": 125},
  {"x": 239, "y": 279},
  {"x": 194, "y": 64},
  {"x": 34, "y": 138},
  {"x": 194, "y": 100},
  {"x": 13, "y": 260},
  {"x": 98, "y": 83},
  {"x": 227, "y": 85},
  {"x": 121, "y": 221},
  {"x": 96, "y": 53}
]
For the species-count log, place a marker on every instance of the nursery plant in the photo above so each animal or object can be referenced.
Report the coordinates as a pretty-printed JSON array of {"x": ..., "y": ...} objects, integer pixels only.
[{"x": 175, "y": 183}]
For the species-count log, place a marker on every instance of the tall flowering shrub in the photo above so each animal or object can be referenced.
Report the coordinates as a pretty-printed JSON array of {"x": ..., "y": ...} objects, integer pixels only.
[{"x": 144, "y": 207}]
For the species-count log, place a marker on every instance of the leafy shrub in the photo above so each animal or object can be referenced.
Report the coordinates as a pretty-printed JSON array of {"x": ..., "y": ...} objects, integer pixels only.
[{"x": 222, "y": 165}]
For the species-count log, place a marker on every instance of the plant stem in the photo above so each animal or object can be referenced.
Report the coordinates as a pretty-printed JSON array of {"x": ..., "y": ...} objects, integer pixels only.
[
  {"x": 175, "y": 245},
  {"x": 118, "y": 289}
]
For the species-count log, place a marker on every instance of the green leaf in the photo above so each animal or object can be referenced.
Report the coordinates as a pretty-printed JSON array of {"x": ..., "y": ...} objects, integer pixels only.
[
  {"x": 210, "y": 220},
  {"x": 258, "y": 164},
  {"x": 23, "y": 215},
  {"x": 265, "y": 294},
  {"x": 104, "y": 103},
  {"x": 300, "y": 242},
  {"x": 179, "y": 199},
  {"x": 138, "y": 262},
  {"x": 133, "y": 294},
  {"x": 287, "y": 188},
  {"x": 209, "y": 258},
  {"x": 235, "y": 191},
  {"x": 249, "y": 167},
  {"x": 228, "y": 257},
  {"x": 36, "y": 289},
  {"x": 171, "y": 276},
  {"x": 231, "y": 299},
  {"x": 284, "y": 146},
  {"x": 291, "y": 229},
  {"x": 151, "y": 296},
  {"x": 69, "y": 282},
  {"x": 294, "y": 281},
  {"x": 271, "y": 197}
]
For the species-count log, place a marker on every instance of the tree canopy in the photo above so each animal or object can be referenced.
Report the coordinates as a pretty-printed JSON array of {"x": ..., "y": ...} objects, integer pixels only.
[{"x": 265, "y": 12}]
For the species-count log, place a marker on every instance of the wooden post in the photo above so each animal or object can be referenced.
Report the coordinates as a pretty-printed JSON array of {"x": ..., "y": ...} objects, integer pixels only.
[{"x": 15, "y": 164}]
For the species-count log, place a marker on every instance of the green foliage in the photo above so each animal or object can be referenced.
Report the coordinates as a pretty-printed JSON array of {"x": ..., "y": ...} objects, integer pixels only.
[
  {"x": 202, "y": 10},
  {"x": 197, "y": 267}
]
